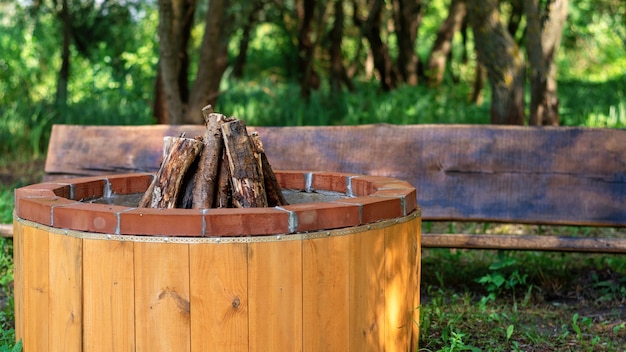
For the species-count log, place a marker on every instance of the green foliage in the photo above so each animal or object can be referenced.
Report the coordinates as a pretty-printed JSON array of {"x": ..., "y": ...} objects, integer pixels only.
[
  {"x": 7, "y": 316},
  {"x": 6, "y": 204},
  {"x": 271, "y": 102},
  {"x": 498, "y": 281},
  {"x": 7, "y": 341}
]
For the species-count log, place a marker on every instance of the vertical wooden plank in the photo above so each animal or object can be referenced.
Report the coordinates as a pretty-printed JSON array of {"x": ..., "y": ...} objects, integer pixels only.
[
  {"x": 325, "y": 276},
  {"x": 36, "y": 289},
  {"x": 65, "y": 314},
  {"x": 415, "y": 279},
  {"x": 367, "y": 295},
  {"x": 219, "y": 297},
  {"x": 275, "y": 295},
  {"x": 397, "y": 280},
  {"x": 18, "y": 278},
  {"x": 162, "y": 297},
  {"x": 108, "y": 308}
]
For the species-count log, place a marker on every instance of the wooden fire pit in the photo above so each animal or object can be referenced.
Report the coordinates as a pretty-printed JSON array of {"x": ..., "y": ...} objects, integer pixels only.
[{"x": 338, "y": 275}]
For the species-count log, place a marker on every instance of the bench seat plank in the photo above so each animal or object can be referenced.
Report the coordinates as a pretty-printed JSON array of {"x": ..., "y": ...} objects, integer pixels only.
[
  {"x": 539, "y": 175},
  {"x": 524, "y": 242}
]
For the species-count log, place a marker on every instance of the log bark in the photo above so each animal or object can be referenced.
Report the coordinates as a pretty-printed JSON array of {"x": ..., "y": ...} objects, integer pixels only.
[
  {"x": 246, "y": 176},
  {"x": 224, "y": 194},
  {"x": 273, "y": 191},
  {"x": 168, "y": 180},
  {"x": 204, "y": 191}
]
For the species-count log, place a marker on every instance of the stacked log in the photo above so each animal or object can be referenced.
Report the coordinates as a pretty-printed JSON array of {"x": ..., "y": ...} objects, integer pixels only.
[{"x": 224, "y": 168}]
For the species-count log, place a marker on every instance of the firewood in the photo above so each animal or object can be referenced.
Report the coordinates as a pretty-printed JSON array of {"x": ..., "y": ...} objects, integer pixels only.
[
  {"x": 171, "y": 173},
  {"x": 205, "y": 182},
  {"x": 273, "y": 191},
  {"x": 146, "y": 200},
  {"x": 248, "y": 190},
  {"x": 224, "y": 194}
]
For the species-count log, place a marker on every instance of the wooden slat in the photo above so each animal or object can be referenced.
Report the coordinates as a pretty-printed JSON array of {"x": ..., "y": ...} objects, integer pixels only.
[
  {"x": 108, "y": 282},
  {"x": 65, "y": 309},
  {"x": 525, "y": 242},
  {"x": 18, "y": 280},
  {"x": 275, "y": 295},
  {"x": 219, "y": 297},
  {"x": 162, "y": 307},
  {"x": 414, "y": 284},
  {"x": 35, "y": 302},
  {"x": 562, "y": 175},
  {"x": 367, "y": 294},
  {"x": 398, "y": 244},
  {"x": 325, "y": 293}
]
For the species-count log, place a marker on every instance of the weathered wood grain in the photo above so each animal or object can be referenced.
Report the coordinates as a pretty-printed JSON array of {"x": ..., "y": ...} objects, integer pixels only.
[
  {"x": 525, "y": 242},
  {"x": 246, "y": 174}
]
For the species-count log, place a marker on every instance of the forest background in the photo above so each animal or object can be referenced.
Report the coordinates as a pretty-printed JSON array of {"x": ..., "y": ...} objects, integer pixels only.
[
  {"x": 314, "y": 62},
  {"x": 343, "y": 62}
]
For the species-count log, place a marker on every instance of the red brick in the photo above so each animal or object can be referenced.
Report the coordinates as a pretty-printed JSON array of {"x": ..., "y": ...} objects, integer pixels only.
[
  {"x": 376, "y": 208},
  {"x": 130, "y": 183},
  {"x": 161, "y": 222},
  {"x": 323, "y": 215},
  {"x": 246, "y": 222},
  {"x": 39, "y": 209},
  {"x": 101, "y": 218}
]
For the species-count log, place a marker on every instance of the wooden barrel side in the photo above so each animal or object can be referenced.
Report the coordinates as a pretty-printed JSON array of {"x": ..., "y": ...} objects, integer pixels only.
[
  {"x": 353, "y": 289},
  {"x": 109, "y": 299}
]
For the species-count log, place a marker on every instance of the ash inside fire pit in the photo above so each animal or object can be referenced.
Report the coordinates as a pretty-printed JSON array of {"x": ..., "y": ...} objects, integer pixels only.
[{"x": 292, "y": 196}]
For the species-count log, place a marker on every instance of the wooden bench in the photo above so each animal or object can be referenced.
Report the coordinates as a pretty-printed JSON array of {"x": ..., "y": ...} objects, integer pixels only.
[{"x": 546, "y": 176}]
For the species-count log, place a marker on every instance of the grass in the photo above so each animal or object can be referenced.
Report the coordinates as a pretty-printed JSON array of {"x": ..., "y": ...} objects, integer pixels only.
[{"x": 475, "y": 300}]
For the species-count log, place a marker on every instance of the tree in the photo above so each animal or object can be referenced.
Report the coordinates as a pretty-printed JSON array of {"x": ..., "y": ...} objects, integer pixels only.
[
  {"x": 502, "y": 59},
  {"x": 443, "y": 43},
  {"x": 246, "y": 34},
  {"x": 213, "y": 59},
  {"x": 407, "y": 18},
  {"x": 175, "y": 19},
  {"x": 64, "y": 72},
  {"x": 309, "y": 79},
  {"x": 175, "y": 22},
  {"x": 338, "y": 73},
  {"x": 543, "y": 39},
  {"x": 371, "y": 28}
]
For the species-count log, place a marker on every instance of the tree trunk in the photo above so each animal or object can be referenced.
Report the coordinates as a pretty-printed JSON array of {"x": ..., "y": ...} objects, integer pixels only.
[
  {"x": 504, "y": 63},
  {"x": 212, "y": 62},
  {"x": 64, "y": 72},
  {"x": 159, "y": 106},
  {"x": 515, "y": 19},
  {"x": 309, "y": 79},
  {"x": 542, "y": 44},
  {"x": 407, "y": 18},
  {"x": 338, "y": 73},
  {"x": 170, "y": 15},
  {"x": 171, "y": 89},
  {"x": 443, "y": 44},
  {"x": 244, "y": 42},
  {"x": 382, "y": 60}
]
